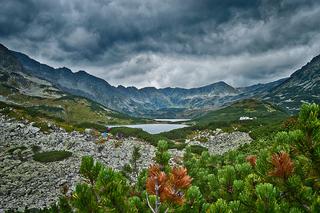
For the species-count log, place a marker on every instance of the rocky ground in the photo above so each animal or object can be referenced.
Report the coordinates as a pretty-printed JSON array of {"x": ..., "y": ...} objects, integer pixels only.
[
  {"x": 218, "y": 142},
  {"x": 25, "y": 182}
]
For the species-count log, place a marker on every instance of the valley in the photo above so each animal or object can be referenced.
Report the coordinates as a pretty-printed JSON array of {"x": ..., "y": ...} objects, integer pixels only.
[{"x": 54, "y": 137}]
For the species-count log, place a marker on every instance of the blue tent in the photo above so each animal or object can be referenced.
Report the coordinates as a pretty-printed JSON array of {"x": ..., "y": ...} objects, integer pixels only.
[{"x": 104, "y": 134}]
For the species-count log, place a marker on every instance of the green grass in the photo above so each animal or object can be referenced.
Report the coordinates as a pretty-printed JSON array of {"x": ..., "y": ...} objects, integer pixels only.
[{"x": 51, "y": 156}]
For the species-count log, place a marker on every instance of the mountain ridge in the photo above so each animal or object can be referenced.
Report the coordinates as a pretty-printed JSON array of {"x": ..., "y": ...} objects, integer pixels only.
[
  {"x": 169, "y": 101},
  {"x": 25, "y": 58},
  {"x": 131, "y": 100}
]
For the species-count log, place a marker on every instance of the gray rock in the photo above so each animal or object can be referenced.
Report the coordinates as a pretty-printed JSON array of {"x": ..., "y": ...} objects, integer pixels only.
[{"x": 37, "y": 185}]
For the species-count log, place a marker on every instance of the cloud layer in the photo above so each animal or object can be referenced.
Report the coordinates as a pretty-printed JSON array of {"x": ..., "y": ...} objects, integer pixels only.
[{"x": 185, "y": 43}]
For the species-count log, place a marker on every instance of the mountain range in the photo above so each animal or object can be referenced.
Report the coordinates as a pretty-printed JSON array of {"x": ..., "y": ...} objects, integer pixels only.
[
  {"x": 302, "y": 86},
  {"x": 29, "y": 97}
]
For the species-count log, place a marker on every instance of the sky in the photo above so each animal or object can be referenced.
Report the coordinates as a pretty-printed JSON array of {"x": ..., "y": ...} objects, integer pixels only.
[{"x": 166, "y": 43}]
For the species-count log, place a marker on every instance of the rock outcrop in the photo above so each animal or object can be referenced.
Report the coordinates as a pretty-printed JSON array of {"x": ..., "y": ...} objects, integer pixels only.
[{"x": 218, "y": 142}]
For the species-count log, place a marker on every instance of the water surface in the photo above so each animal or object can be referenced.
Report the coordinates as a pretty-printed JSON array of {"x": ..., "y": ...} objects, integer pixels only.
[{"x": 154, "y": 128}]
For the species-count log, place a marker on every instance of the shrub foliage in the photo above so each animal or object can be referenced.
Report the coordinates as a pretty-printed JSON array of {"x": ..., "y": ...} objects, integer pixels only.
[{"x": 280, "y": 174}]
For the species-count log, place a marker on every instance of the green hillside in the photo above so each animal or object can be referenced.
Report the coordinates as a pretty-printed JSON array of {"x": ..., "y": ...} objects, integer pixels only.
[
  {"x": 70, "y": 112},
  {"x": 259, "y": 111}
]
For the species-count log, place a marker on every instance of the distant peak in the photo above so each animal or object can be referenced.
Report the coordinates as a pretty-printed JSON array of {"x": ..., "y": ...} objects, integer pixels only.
[
  {"x": 219, "y": 83},
  {"x": 64, "y": 69},
  {"x": 82, "y": 72}
]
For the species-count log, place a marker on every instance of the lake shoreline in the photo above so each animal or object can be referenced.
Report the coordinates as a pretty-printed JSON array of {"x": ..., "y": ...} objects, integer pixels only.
[{"x": 161, "y": 125}]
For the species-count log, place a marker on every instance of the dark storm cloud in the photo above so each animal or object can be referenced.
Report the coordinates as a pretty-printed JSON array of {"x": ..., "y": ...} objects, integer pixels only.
[{"x": 166, "y": 43}]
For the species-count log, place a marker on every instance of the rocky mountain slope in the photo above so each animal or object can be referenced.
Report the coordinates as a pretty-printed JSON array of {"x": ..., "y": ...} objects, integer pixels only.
[
  {"x": 25, "y": 95},
  {"x": 150, "y": 101},
  {"x": 14, "y": 80},
  {"x": 302, "y": 86}
]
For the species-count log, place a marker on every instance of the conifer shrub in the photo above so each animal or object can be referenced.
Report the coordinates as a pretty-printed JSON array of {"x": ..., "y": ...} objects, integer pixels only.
[
  {"x": 197, "y": 149},
  {"x": 51, "y": 156},
  {"x": 279, "y": 174},
  {"x": 35, "y": 148}
]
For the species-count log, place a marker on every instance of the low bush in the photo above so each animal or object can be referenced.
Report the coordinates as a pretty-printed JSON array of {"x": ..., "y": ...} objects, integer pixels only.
[
  {"x": 51, "y": 156},
  {"x": 197, "y": 149},
  {"x": 36, "y": 148}
]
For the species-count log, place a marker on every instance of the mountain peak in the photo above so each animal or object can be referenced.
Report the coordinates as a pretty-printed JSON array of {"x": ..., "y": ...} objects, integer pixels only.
[
  {"x": 219, "y": 83},
  {"x": 64, "y": 70},
  {"x": 82, "y": 72},
  {"x": 219, "y": 87}
]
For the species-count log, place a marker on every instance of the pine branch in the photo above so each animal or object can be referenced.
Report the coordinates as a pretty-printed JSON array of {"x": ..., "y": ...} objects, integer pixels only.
[{"x": 148, "y": 202}]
